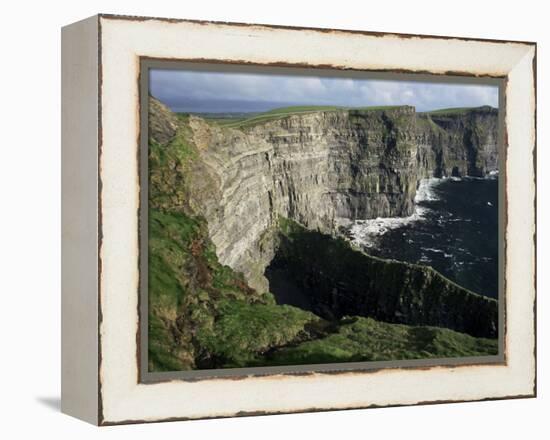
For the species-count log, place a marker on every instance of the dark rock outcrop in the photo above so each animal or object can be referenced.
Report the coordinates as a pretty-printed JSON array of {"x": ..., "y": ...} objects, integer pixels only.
[
  {"x": 341, "y": 281},
  {"x": 163, "y": 124}
]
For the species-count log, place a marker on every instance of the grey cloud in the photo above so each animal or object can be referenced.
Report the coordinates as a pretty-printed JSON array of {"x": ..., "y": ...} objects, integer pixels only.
[{"x": 224, "y": 92}]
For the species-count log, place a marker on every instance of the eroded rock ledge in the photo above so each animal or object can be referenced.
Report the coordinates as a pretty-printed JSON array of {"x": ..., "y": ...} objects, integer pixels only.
[{"x": 340, "y": 281}]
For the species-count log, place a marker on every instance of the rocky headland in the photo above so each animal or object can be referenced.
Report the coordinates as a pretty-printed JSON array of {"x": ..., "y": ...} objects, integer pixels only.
[{"x": 273, "y": 189}]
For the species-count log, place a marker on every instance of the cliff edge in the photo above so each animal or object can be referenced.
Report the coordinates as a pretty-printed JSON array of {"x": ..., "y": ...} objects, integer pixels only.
[{"x": 319, "y": 167}]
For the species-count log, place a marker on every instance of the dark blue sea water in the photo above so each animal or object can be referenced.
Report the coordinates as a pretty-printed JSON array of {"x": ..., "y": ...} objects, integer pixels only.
[{"x": 454, "y": 230}]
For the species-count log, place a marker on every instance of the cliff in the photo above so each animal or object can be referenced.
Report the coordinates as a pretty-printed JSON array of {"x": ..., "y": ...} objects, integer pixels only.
[
  {"x": 458, "y": 142},
  {"x": 321, "y": 166},
  {"x": 219, "y": 200}
]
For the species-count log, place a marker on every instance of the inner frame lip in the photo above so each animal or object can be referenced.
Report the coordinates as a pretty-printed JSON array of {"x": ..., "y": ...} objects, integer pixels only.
[{"x": 142, "y": 339}]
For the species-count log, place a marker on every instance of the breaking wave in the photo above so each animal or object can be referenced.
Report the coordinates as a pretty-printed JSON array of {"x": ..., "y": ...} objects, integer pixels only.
[
  {"x": 454, "y": 229},
  {"x": 364, "y": 233},
  {"x": 425, "y": 191}
]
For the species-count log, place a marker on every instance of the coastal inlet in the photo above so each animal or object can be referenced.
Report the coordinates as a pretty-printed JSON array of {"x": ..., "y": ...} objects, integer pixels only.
[{"x": 454, "y": 229}]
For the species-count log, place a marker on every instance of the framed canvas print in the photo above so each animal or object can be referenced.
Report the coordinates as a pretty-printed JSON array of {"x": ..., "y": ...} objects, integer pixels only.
[{"x": 262, "y": 219}]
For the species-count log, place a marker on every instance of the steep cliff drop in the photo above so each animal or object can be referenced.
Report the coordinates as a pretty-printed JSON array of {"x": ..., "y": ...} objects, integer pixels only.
[
  {"x": 234, "y": 198},
  {"x": 319, "y": 167}
]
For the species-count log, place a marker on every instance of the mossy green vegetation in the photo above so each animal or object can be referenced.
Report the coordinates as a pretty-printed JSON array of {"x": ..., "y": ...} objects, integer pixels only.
[
  {"x": 364, "y": 339},
  {"x": 201, "y": 313},
  {"x": 245, "y": 331},
  {"x": 426, "y": 123},
  {"x": 169, "y": 167}
]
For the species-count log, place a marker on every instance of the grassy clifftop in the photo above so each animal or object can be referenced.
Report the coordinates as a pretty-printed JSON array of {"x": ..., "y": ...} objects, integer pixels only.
[
  {"x": 283, "y": 112},
  {"x": 460, "y": 110},
  {"x": 246, "y": 121}
]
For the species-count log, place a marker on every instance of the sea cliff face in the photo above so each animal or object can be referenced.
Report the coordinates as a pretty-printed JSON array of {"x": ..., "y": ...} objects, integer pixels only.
[
  {"x": 458, "y": 142},
  {"x": 226, "y": 202},
  {"x": 319, "y": 167}
]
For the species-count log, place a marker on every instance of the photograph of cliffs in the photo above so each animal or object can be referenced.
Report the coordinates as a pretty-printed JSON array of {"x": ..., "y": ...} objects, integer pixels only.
[{"x": 300, "y": 220}]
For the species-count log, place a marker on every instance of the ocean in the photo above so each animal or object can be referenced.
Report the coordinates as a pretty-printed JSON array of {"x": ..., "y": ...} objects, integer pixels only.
[{"x": 454, "y": 229}]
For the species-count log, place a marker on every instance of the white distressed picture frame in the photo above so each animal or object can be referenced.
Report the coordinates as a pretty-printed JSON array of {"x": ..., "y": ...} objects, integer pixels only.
[{"x": 101, "y": 194}]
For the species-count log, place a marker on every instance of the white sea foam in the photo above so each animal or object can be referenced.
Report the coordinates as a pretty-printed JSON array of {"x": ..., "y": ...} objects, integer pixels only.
[
  {"x": 365, "y": 232},
  {"x": 491, "y": 175},
  {"x": 425, "y": 191},
  {"x": 433, "y": 250}
]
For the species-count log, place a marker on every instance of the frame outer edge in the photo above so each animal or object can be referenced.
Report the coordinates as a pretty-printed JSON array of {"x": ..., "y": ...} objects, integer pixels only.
[
  {"x": 100, "y": 419},
  {"x": 127, "y": 17},
  {"x": 79, "y": 224},
  {"x": 535, "y": 207}
]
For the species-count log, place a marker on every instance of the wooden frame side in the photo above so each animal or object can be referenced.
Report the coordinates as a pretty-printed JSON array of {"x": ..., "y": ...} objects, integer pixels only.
[{"x": 79, "y": 260}]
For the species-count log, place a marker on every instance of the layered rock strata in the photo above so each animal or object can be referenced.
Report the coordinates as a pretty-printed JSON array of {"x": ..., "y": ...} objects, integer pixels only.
[{"x": 316, "y": 168}]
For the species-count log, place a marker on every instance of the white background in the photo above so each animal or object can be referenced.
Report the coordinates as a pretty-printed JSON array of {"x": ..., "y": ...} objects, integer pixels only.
[{"x": 30, "y": 218}]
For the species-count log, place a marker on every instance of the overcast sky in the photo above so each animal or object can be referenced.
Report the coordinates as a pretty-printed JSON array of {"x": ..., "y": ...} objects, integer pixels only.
[{"x": 193, "y": 91}]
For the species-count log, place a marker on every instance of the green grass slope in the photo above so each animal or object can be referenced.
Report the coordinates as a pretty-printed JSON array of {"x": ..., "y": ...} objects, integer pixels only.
[{"x": 364, "y": 339}]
